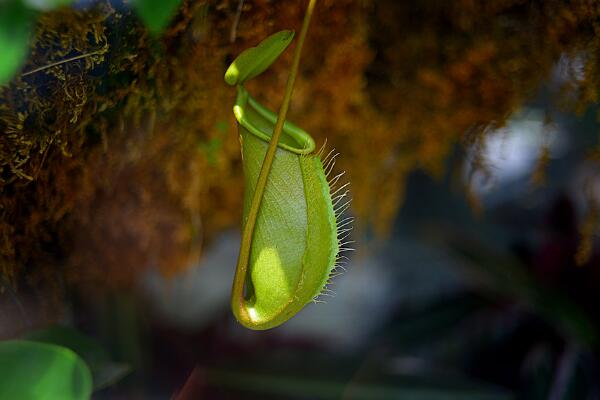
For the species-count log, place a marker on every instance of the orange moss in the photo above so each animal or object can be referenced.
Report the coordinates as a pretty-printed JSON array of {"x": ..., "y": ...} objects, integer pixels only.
[{"x": 128, "y": 158}]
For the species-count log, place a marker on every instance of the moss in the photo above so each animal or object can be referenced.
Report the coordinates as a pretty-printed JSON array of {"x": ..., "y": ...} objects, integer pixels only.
[{"x": 104, "y": 163}]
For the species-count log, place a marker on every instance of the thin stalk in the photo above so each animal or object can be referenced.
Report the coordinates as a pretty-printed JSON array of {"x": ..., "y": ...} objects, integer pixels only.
[
  {"x": 236, "y": 21},
  {"x": 237, "y": 293},
  {"x": 54, "y": 64}
]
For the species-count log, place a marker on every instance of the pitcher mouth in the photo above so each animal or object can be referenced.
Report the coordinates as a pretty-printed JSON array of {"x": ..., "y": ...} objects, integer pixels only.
[{"x": 260, "y": 121}]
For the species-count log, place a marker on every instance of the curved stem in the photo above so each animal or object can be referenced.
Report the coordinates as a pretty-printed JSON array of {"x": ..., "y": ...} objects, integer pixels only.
[{"x": 238, "y": 301}]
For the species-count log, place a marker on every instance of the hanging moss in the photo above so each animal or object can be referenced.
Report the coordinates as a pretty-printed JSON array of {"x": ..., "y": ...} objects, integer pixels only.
[{"x": 118, "y": 151}]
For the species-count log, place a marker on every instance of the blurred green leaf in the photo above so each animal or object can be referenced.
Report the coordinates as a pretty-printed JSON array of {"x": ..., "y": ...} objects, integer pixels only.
[
  {"x": 15, "y": 27},
  {"x": 104, "y": 371},
  {"x": 38, "y": 371},
  {"x": 211, "y": 148},
  {"x": 222, "y": 127},
  {"x": 156, "y": 14}
]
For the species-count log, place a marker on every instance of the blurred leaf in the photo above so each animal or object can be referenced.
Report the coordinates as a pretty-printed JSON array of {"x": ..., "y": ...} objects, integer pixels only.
[
  {"x": 211, "y": 148},
  {"x": 501, "y": 274},
  {"x": 45, "y": 5},
  {"x": 222, "y": 126},
  {"x": 15, "y": 27},
  {"x": 36, "y": 371},
  {"x": 156, "y": 14},
  {"x": 432, "y": 322},
  {"x": 104, "y": 371}
]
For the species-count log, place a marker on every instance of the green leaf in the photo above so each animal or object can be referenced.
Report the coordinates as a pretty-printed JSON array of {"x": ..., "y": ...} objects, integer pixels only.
[
  {"x": 40, "y": 371},
  {"x": 15, "y": 27},
  {"x": 255, "y": 60},
  {"x": 156, "y": 14},
  {"x": 105, "y": 372}
]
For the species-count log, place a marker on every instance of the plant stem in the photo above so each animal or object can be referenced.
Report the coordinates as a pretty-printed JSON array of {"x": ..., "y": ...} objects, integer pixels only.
[
  {"x": 236, "y": 21},
  {"x": 237, "y": 294}
]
